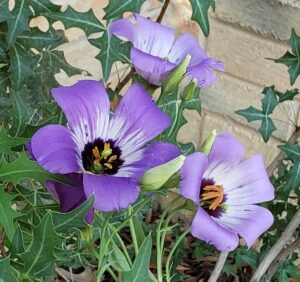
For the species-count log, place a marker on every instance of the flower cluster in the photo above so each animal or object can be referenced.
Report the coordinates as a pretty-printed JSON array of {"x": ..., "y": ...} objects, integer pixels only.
[{"x": 108, "y": 155}]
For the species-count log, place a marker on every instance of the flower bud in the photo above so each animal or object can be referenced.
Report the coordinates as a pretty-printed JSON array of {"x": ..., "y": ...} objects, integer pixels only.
[
  {"x": 174, "y": 78},
  {"x": 207, "y": 144},
  {"x": 189, "y": 91},
  {"x": 87, "y": 234},
  {"x": 156, "y": 177}
]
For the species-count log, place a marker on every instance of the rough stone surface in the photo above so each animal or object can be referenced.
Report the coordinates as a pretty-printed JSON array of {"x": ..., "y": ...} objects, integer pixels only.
[
  {"x": 293, "y": 3},
  {"x": 244, "y": 55},
  {"x": 268, "y": 17}
]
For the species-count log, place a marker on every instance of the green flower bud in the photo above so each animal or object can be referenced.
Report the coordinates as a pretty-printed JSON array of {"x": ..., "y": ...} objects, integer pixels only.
[
  {"x": 189, "y": 91},
  {"x": 207, "y": 144},
  {"x": 156, "y": 177},
  {"x": 172, "y": 81},
  {"x": 87, "y": 235}
]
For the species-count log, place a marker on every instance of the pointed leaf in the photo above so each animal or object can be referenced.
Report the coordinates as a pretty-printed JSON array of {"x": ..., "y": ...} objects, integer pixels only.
[
  {"x": 7, "y": 142},
  {"x": 140, "y": 269},
  {"x": 18, "y": 21},
  {"x": 64, "y": 222},
  {"x": 116, "y": 8},
  {"x": 40, "y": 253},
  {"x": 7, "y": 213},
  {"x": 86, "y": 21},
  {"x": 6, "y": 271},
  {"x": 251, "y": 114},
  {"x": 17, "y": 246},
  {"x": 266, "y": 128},
  {"x": 287, "y": 95},
  {"x": 24, "y": 168},
  {"x": 269, "y": 102},
  {"x": 200, "y": 13},
  {"x": 4, "y": 12}
]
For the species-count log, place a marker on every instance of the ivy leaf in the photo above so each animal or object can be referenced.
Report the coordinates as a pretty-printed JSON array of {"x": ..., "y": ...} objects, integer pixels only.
[
  {"x": 200, "y": 13},
  {"x": 18, "y": 21},
  {"x": 112, "y": 49},
  {"x": 86, "y": 21},
  {"x": 24, "y": 168},
  {"x": 40, "y": 253},
  {"x": 116, "y": 8},
  {"x": 7, "y": 142},
  {"x": 64, "y": 222},
  {"x": 140, "y": 268},
  {"x": 293, "y": 153},
  {"x": 4, "y": 12},
  {"x": 17, "y": 246},
  {"x": 6, "y": 271},
  {"x": 21, "y": 113},
  {"x": 269, "y": 102},
  {"x": 7, "y": 213},
  {"x": 43, "y": 6},
  {"x": 287, "y": 95},
  {"x": 22, "y": 64},
  {"x": 292, "y": 59}
]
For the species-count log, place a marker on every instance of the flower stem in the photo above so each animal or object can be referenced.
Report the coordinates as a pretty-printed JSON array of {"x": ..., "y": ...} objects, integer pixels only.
[
  {"x": 218, "y": 267},
  {"x": 163, "y": 11},
  {"x": 132, "y": 231},
  {"x": 177, "y": 242}
]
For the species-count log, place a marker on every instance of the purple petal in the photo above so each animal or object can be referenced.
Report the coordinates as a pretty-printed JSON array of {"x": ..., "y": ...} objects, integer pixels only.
[
  {"x": 185, "y": 45},
  {"x": 110, "y": 193},
  {"x": 123, "y": 28},
  {"x": 55, "y": 150},
  {"x": 69, "y": 197},
  {"x": 248, "y": 183},
  {"x": 249, "y": 221},
  {"x": 29, "y": 150},
  {"x": 153, "y": 38},
  {"x": 191, "y": 176},
  {"x": 137, "y": 120},
  {"x": 203, "y": 73},
  {"x": 226, "y": 152},
  {"x": 207, "y": 229},
  {"x": 87, "y": 107},
  {"x": 152, "y": 69}
]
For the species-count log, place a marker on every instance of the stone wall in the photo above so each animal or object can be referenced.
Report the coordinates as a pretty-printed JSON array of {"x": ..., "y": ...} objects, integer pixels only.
[{"x": 243, "y": 34}]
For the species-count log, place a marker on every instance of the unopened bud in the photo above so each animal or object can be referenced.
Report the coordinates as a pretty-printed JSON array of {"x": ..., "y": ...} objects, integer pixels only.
[
  {"x": 207, "y": 144},
  {"x": 189, "y": 91}
]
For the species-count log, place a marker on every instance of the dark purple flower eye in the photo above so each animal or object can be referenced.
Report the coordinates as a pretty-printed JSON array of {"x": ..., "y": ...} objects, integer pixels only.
[
  {"x": 225, "y": 189},
  {"x": 109, "y": 152}
]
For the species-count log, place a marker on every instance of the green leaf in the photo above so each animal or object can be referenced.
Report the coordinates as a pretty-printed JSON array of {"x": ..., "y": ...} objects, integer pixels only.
[
  {"x": 6, "y": 271},
  {"x": 267, "y": 128},
  {"x": 4, "y": 12},
  {"x": 7, "y": 142},
  {"x": 22, "y": 64},
  {"x": 283, "y": 277},
  {"x": 7, "y": 213},
  {"x": 21, "y": 112},
  {"x": 112, "y": 49},
  {"x": 293, "y": 153},
  {"x": 64, "y": 222},
  {"x": 292, "y": 60},
  {"x": 116, "y": 8},
  {"x": 24, "y": 168},
  {"x": 70, "y": 18},
  {"x": 251, "y": 114},
  {"x": 40, "y": 40},
  {"x": 18, "y": 21},
  {"x": 43, "y": 6},
  {"x": 118, "y": 259},
  {"x": 17, "y": 246},
  {"x": 269, "y": 102},
  {"x": 293, "y": 271},
  {"x": 140, "y": 269},
  {"x": 287, "y": 95},
  {"x": 200, "y": 13},
  {"x": 40, "y": 253},
  {"x": 139, "y": 232}
]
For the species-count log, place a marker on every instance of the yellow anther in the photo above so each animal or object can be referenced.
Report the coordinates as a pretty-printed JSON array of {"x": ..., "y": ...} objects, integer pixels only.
[
  {"x": 96, "y": 161},
  {"x": 214, "y": 193},
  {"x": 112, "y": 158},
  {"x": 106, "y": 146},
  {"x": 96, "y": 153},
  {"x": 108, "y": 165}
]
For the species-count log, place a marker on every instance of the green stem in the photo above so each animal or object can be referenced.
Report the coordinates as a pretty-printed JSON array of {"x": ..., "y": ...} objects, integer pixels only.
[
  {"x": 177, "y": 242},
  {"x": 159, "y": 247},
  {"x": 132, "y": 231},
  {"x": 112, "y": 274}
]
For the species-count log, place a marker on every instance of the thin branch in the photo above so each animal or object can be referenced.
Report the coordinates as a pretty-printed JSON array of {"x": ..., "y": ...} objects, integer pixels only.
[
  {"x": 123, "y": 82},
  {"x": 277, "y": 248},
  {"x": 280, "y": 157},
  {"x": 218, "y": 267},
  {"x": 163, "y": 11},
  {"x": 282, "y": 257}
]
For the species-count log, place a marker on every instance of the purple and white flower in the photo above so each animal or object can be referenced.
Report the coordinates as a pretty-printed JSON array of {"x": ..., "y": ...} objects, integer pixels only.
[
  {"x": 225, "y": 189},
  {"x": 109, "y": 151},
  {"x": 155, "y": 52}
]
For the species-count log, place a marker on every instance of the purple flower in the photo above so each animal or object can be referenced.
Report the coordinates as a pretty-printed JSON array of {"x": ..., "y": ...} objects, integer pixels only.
[
  {"x": 225, "y": 189},
  {"x": 109, "y": 151},
  {"x": 155, "y": 52}
]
